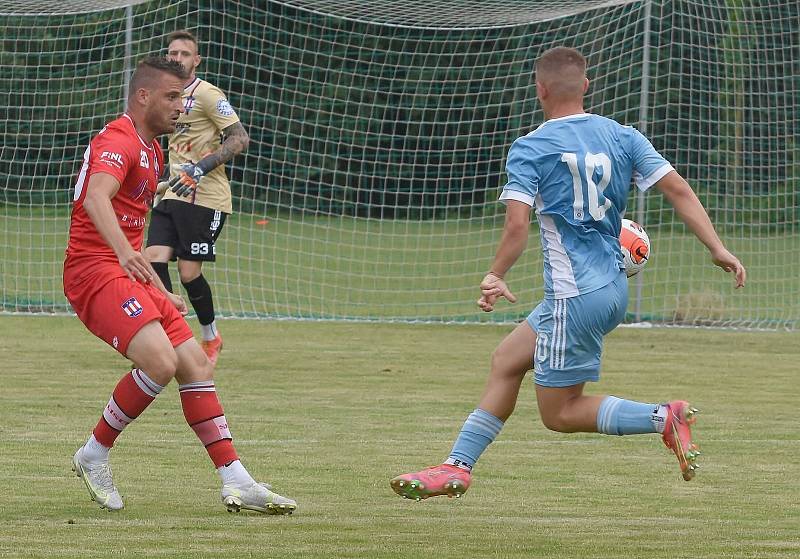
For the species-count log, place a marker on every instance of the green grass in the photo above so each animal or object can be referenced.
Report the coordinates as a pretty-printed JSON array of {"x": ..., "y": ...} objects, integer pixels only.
[
  {"x": 305, "y": 266},
  {"x": 329, "y": 412}
]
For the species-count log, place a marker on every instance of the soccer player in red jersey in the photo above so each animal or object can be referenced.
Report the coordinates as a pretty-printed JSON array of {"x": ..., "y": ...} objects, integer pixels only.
[{"x": 117, "y": 295}]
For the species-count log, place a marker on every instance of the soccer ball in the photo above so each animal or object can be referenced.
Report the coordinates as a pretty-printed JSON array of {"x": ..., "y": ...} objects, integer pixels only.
[{"x": 635, "y": 246}]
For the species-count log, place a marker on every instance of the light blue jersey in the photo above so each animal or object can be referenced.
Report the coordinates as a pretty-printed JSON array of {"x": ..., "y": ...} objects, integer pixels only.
[{"x": 576, "y": 172}]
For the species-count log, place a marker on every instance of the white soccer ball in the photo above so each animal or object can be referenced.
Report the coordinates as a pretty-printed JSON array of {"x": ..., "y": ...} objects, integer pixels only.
[{"x": 635, "y": 246}]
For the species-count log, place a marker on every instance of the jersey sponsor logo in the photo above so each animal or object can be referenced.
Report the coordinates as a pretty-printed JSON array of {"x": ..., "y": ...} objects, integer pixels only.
[
  {"x": 132, "y": 222},
  {"x": 111, "y": 156},
  {"x": 224, "y": 108},
  {"x": 111, "y": 159},
  {"x": 144, "y": 161},
  {"x": 132, "y": 307}
]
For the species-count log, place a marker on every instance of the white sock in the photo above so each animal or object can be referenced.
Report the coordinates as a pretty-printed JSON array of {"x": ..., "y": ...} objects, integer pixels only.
[
  {"x": 659, "y": 417},
  {"x": 209, "y": 331},
  {"x": 235, "y": 474},
  {"x": 93, "y": 451}
]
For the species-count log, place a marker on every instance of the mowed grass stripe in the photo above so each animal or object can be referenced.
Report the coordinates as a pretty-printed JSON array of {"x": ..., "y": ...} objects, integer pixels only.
[{"x": 329, "y": 412}]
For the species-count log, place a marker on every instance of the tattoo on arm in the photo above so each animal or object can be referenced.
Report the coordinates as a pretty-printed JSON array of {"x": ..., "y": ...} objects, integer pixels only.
[{"x": 236, "y": 141}]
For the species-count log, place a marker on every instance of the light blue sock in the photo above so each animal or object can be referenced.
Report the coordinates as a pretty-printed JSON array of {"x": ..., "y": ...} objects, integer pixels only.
[
  {"x": 626, "y": 417},
  {"x": 480, "y": 429}
]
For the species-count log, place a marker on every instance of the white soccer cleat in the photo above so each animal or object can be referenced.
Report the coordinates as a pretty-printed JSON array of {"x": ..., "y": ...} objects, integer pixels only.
[
  {"x": 257, "y": 497},
  {"x": 98, "y": 480}
]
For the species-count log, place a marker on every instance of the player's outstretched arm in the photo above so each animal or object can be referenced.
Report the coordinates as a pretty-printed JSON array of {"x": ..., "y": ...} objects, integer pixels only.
[
  {"x": 691, "y": 211},
  {"x": 512, "y": 244},
  {"x": 102, "y": 187}
]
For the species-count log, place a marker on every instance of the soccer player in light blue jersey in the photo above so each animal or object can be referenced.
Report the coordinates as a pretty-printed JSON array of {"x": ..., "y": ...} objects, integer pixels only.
[{"x": 575, "y": 171}]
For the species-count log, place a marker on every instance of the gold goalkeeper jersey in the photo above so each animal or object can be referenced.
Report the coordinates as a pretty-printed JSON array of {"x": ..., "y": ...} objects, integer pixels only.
[{"x": 199, "y": 133}]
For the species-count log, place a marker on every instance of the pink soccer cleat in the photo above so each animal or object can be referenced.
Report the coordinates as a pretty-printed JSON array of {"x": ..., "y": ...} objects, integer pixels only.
[
  {"x": 437, "y": 480},
  {"x": 212, "y": 348},
  {"x": 677, "y": 436}
]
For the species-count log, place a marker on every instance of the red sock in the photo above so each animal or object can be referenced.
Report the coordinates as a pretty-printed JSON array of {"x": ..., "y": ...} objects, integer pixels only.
[
  {"x": 204, "y": 414},
  {"x": 133, "y": 393}
]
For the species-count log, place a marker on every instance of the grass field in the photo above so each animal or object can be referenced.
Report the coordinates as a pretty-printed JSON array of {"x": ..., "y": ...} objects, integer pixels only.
[
  {"x": 329, "y": 412},
  {"x": 300, "y": 265}
]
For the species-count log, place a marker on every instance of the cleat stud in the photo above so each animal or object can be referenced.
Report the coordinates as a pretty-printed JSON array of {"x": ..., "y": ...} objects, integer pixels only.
[
  {"x": 401, "y": 484},
  {"x": 418, "y": 499}
]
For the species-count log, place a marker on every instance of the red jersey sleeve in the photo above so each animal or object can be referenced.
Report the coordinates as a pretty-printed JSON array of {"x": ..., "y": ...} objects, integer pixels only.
[{"x": 111, "y": 153}]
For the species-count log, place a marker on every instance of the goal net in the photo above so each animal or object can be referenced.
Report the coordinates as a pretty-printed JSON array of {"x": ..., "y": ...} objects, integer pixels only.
[{"x": 379, "y": 131}]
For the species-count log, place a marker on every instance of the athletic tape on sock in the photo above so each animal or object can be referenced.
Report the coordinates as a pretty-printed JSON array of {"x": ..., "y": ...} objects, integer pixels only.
[{"x": 212, "y": 430}]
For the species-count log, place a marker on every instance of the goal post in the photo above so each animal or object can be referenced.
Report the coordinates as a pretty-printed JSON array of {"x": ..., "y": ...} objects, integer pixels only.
[{"x": 378, "y": 139}]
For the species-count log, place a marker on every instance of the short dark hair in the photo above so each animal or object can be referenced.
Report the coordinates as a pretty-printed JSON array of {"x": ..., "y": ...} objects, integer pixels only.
[
  {"x": 557, "y": 58},
  {"x": 149, "y": 67},
  {"x": 182, "y": 35}
]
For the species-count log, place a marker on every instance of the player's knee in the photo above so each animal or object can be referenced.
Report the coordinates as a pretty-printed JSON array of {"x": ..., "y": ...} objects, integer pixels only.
[
  {"x": 162, "y": 367},
  {"x": 158, "y": 253},
  {"x": 204, "y": 370},
  {"x": 503, "y": 366},
  {"x": 207, "y": 370},
  {"x": 497, "y": 361},
  {"x": 556, "y": 421},
  {"x": 187, "y": 276},
  {"x": 189, "y": 270}
]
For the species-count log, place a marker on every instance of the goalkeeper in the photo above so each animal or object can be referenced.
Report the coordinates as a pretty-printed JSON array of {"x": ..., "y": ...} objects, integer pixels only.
[{"x": 186, "y": 223}]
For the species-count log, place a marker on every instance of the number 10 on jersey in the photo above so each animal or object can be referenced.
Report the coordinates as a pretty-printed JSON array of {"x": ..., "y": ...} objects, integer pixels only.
[{"x": 593, "y": 190}]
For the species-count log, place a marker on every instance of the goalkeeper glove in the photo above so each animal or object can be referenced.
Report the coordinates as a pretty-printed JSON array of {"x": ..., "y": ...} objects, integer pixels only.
[{"x": 185, "y": 182}]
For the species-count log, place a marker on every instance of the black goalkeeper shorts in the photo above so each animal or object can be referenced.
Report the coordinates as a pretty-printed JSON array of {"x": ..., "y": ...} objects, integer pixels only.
[{"x": 190, "y": 230}]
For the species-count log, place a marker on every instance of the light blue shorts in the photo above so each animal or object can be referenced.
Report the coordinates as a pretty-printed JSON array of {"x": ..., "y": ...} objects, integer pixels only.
[{"x": 569, "y": 333}]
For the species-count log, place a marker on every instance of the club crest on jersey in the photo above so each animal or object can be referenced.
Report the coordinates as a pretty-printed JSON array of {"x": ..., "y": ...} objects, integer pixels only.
[
  {"x": 144, "y": 161},
  {"x": 132, "y": 307},
  {"x": 188, "y": 103},
  {"x": 224, "y": 108}
]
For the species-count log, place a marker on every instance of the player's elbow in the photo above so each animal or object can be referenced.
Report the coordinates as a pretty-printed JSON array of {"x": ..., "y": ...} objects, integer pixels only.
[
  {"x": 517, "y": 228},
  {"x": 674, "y": 187},
  {"x": 91, "y": 202}
]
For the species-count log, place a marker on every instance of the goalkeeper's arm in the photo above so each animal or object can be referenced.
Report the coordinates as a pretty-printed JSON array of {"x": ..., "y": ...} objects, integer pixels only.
[{"x": 236, "y": 141}]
